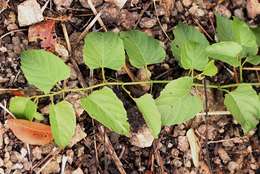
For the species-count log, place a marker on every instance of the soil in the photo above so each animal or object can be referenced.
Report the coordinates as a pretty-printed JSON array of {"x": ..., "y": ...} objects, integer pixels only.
[{"x": 224, "y": 149}]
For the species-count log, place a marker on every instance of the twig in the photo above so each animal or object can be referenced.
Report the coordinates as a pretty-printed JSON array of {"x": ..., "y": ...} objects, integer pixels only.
[
  {"x": 146, "y": 6},
  {"x": 111, "y": 150},
  {"x": 159, "y": 22},
  {"x": 214, "y": 113},
  {"x": 86, "y": 30},
  {"x": 206, "y": 123},
  {"x": 66, "y": 36},
  {"x": 225, "y": 140},
  {"x": 11, "y": 32},
  {"x": 48, "y": 161},
  {"x": 93, "y": 9},
  {"x": 6, "y": 110},
  {"x": 73, "y": 61},
  {"x": 53, "y": 152},
  {"x": 251, "y": 68},
  {"x": 158, "y": 156},
  {"x": 29, "y": 156},
  {"x": 204, "y": 31},
  {"x": 63, "y": 164},
  {"x": 129, "y": 73}
]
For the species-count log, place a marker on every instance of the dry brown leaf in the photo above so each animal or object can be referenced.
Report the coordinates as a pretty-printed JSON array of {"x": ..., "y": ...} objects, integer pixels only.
[
  {"x": 45, "y": 32},
  {"x": 167, "y": 5},
  {"x": 30, "y": 132}
]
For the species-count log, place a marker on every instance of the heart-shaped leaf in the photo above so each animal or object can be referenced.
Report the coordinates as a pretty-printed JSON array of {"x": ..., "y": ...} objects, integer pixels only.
[
  {"x": 104, "y": 50},
  {"x": 244, "y": 104},
  {"x": 175, "y": 102},
  {"x": 142, "y": 49},
  {"x": 43, "y": 69},
  {"x": 104, "y": 106}
]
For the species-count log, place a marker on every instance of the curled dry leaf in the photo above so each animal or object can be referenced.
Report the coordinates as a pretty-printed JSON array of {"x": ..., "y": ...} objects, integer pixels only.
[
  {"x": 194, "y": 146},
  {"x": 30, "y": 132},
  {"x": 45, "y": 32}
]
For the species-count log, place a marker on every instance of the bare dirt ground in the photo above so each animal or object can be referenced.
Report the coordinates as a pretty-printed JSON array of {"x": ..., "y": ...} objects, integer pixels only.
[{"x": 225, "y": 149}]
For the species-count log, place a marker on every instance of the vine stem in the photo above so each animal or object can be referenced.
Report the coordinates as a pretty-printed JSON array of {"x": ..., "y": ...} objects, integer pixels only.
[{"x": 134, "y": 83}]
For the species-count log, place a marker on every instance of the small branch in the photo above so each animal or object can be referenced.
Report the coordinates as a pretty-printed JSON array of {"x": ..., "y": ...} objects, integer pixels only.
[
  {"x": 251, "y": 68},
  {"x": 86, "y": 30},
  {"x": 6, "y": 110},
  {"x": 111, "y": 150}
]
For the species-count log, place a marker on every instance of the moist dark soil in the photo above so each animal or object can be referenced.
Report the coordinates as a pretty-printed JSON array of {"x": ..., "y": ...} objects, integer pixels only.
[{"x": 224, "y": 149}]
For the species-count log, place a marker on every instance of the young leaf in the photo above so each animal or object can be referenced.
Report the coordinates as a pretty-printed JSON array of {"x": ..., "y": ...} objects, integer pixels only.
[
  {"x": 104, "y": 50},
  {"x": 175, "y": 102},
  {"x": 245, "y": 37},
  {"x": 226, "y": 51},
  {"x": 142, "y": 49},
  {"x": 189, "y": 47},
  {"x": 63, "y": 123},
  {"x": 22, "y": 107},
  {"x": 210, "y": 69},
  {"x": 30, "y": 132},
  {"x": 224, "y": 28},
  {"x": 43, "y": 69},
  {"x": 244, "y": 104},
  {"x": 149, "y": 110},
  {"x": 255, "y": 60},
  {"x": 193, "y": 56},
  {"x": 104, "y": 106}
]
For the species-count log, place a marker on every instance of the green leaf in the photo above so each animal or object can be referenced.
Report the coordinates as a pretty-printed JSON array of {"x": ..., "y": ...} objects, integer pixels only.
[
  {"x": 210, "y": 69},
  {"x": 244, "y": 36},
  {"x": 227, "y": 52},
  {"x": 176, "y": 104},
  {"x": 142, "y": 49},
  {"x": 244, "y": 104},
  {"x": 255, "y": 60},
  {"x": 185, "y": 33},
  {"x": 237, "y": 31},
  {"x": 189, "y": 47},
  {"x": 224, "y": 28},
  {"x": 23, "y": 108},
  {"x": 104, "y": 106},
  {"x": 103, "y": 50},
  {"x": 43, "y": 69},
  {"x": 149, "y": 110},
  {"x": 193, "y": 56},
  {"x": 256, "y": 31},
  {"x": 38, "y": 116},
  {"x": 63, "y": 123}
]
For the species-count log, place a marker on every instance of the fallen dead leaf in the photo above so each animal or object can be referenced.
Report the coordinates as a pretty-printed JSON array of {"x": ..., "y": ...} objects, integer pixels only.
[
  {"x": 30, "y": 132},
  {"x": 45, "y": 32},
  {"x": 194, "y": 146},
  {"x": 79, "y": 135},
  {"x": 118, "y": 3},
  {"x": 29, "y": 12}
]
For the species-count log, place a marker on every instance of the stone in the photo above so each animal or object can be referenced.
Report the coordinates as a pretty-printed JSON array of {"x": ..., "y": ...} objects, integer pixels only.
[
  {"x": 29, "y": 12},
  {"x": 187, "y": 3},
  {"x": 143, "y": 138}
]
